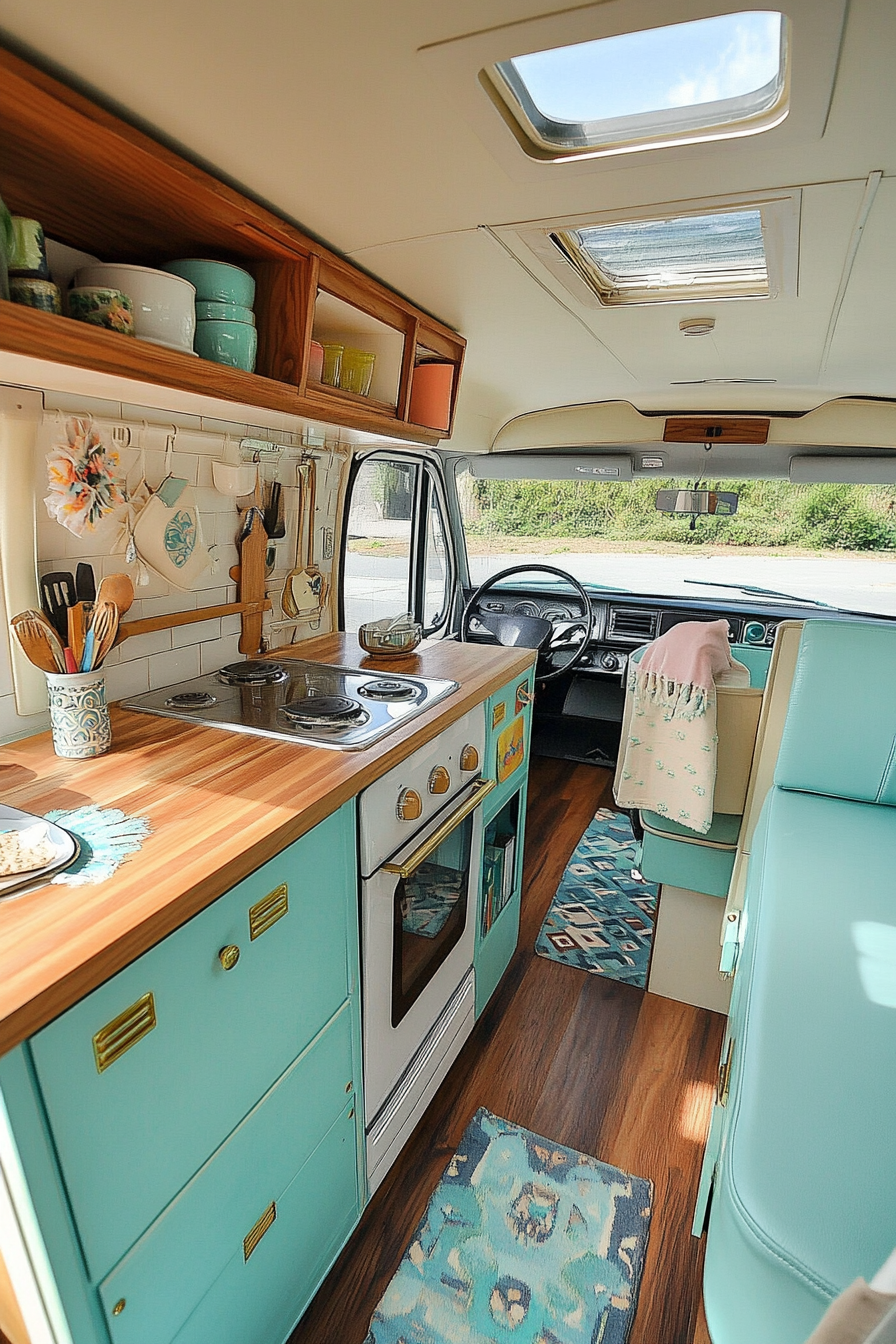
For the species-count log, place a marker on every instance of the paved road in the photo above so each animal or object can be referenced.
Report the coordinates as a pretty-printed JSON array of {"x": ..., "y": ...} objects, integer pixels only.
[{"x": 377, "y": 585}]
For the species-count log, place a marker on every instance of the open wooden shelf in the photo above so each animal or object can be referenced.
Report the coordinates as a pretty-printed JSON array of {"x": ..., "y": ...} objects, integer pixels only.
[{"x": 98, "y": 184}]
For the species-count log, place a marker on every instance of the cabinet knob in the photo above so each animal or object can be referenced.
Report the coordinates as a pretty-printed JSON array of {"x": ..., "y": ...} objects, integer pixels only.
[
  {"x": 469, "y": 758},
  {"x": 119, "y": 1306},
  {"x": 410, "y": 805},
  {"x": 439, "y": 780},
  {"x": 229, "y": 956}
]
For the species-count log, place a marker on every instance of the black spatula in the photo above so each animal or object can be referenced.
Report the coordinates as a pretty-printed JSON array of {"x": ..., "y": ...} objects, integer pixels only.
[
  {"x": 58, "y": 594},
  {"x": 85, "y": 583}
]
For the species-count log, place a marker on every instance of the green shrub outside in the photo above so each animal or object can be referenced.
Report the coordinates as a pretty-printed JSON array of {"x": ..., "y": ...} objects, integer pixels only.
[{"x": 770, "y": 513}]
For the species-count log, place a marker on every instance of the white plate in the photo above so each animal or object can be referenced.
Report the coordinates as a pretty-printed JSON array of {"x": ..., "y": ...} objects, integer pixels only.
[{"x": 65, "y": 846}]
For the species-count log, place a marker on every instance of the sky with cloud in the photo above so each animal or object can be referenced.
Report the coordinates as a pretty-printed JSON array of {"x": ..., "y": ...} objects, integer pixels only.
[{"x": 677, "y": 66}]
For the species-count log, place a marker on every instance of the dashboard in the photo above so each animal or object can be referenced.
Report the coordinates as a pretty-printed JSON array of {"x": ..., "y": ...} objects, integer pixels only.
[{"x": 625, "y": 621}]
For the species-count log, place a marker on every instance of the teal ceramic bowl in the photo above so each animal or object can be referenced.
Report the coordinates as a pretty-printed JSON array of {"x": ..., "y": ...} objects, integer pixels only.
[
  {"x": 223, "y": 312},
  {"x": 233, "y": 343},
  {"x": 216, "y": 281}
]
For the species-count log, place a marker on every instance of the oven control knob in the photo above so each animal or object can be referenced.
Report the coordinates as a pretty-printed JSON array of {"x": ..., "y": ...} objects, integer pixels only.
[
  {"x": 469, "y": 758},
  {"x": 439, "y": 780},
  {"x": 410, "y": 805}
]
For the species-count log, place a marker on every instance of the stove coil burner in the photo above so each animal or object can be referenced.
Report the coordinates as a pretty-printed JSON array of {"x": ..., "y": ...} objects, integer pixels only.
[
  {"x": 388, "y": 688},
  {"x": 253, "y": 673},
  {"x": 325, "y": 711},
  {"x": 192, "y": 700}
]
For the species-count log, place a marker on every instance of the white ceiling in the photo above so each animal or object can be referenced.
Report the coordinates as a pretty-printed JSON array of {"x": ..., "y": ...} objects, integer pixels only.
[{"x": 333, "y": 113}]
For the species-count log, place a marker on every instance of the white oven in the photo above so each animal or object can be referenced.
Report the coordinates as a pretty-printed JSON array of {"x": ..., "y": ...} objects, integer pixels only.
[{"x": 421, "y": 858}]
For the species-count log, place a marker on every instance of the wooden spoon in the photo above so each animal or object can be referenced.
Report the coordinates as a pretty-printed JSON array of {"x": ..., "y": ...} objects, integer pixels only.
[
  {"x": 118, "y": 589},
  {"x": 39, "y": 641},
  {"x": 105, "y": 627}
]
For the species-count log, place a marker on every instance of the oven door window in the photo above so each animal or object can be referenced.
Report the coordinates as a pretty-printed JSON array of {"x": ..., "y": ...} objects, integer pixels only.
[{"x": 429, "y": 915}]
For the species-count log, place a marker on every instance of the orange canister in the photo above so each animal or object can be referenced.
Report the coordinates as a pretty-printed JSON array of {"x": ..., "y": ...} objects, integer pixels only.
[{"x": 431, "y": 395}]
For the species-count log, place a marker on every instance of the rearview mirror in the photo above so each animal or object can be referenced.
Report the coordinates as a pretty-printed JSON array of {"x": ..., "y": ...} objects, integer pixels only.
[{"x": 697, "y": 501}]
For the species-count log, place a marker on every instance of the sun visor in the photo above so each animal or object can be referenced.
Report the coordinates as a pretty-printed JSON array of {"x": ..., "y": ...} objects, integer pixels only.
[
  {"x": 816, "y": 469},
  {"x": 552, "y": 467}
]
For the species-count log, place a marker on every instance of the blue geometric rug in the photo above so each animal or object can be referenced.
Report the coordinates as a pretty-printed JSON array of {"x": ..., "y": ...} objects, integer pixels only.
[
  {"x": 523, "y": 1242},
  {"x": 601, "y": 919}
]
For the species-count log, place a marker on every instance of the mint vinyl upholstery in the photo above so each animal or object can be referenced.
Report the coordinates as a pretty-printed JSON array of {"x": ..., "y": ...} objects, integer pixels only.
[{"x": 805, "y": 1187}]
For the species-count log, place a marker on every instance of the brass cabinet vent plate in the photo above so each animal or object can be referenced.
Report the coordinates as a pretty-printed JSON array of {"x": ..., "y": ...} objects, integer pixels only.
[
  {"x": 251, "y": 1240},
  {"x": 117, "y": 1036},
  {"x": 268, "y": 910}
]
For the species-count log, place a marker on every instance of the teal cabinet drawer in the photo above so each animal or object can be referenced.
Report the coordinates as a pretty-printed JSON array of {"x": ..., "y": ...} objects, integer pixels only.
[
  {"x": 239, "y": 1190},
  {"x": 259, "y": 1300},
  {"x": 147, "y": 1076}
]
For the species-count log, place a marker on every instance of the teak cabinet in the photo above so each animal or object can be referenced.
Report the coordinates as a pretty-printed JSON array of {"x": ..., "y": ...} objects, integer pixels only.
[
  {"x": 98, "y": 184},
  {"x": 191, "y": 1132}
]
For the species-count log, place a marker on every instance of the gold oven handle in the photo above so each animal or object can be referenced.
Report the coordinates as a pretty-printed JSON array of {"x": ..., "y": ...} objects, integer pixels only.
[{"x": 430, "y": 845}]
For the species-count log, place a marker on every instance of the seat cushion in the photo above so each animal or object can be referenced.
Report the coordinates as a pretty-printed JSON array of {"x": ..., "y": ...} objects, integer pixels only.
[
  {"x": 680, "y": 858},
  {"x": 804, "y": 1198}
]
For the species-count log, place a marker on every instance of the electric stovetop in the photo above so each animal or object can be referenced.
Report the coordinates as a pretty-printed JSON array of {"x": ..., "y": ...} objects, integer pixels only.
[{"x": 298, "y": 701}]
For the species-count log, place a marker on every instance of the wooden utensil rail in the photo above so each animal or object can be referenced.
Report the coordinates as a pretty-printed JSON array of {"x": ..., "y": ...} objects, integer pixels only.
[{"x": 149, "y": 624}]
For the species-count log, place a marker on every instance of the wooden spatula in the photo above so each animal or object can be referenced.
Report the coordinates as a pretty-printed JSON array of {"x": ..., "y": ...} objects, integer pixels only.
[
  {"x": 39, "y": 641},
  {"x": 78, "y": 622}
]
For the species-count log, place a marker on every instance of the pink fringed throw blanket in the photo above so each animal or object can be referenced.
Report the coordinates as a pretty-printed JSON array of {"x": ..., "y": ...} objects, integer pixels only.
[{"x": 669, "y": 752}]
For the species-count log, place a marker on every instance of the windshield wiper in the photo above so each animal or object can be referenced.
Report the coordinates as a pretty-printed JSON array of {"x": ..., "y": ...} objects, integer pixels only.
[{"x": 764, "y": 592}]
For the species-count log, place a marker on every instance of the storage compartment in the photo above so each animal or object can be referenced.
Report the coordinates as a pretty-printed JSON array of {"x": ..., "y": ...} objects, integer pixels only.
[
  {"x": 147, "y": 1076},
  {"x": 341, "y": 324},
  {"x": 60, "y": 155},
  {"x": 499, "y": 863},
  {"x": 234, "y": 1205}
]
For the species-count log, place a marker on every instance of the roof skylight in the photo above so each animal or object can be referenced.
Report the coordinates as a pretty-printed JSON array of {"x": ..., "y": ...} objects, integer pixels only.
[
  {"x": 719, "y": 255},
  {"x": 707, "y": 79}
]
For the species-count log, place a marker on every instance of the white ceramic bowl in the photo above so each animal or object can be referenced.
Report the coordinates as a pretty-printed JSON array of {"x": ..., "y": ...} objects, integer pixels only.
[{"x": 164, "y": 305}]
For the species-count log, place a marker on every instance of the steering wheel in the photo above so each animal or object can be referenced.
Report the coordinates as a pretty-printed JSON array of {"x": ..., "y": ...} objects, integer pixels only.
[{"x": 533, "y": 632}]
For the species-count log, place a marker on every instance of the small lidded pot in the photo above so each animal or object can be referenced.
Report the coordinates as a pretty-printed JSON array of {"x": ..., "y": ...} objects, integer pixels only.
[
  {"x": 31, "y": 293},
  {"x": 102, "y": 307}
]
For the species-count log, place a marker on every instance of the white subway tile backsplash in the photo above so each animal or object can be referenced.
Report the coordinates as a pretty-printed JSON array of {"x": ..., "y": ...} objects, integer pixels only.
[
  {"x": 231, "y": 625},
  {"x": 165, "y": 669},
  {"x": 142, "y": 646},
  {"x": 13, "y": 725},
  {"x": 126, "y": 679},
  {"x": 218, "y": 653},
  {"x": 198, "y": 633},
  {"x": 171, "y": 602}
]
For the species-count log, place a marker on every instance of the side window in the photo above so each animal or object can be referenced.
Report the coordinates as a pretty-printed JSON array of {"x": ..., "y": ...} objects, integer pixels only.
[
  {"x": 437, "y": 567},
  {"x": 376, "y": 575},
  {"x": 398, "y": 554}
]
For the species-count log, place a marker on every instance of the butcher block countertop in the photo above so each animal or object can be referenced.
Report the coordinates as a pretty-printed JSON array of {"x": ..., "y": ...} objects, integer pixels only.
[{"x": 219, "y": 804}]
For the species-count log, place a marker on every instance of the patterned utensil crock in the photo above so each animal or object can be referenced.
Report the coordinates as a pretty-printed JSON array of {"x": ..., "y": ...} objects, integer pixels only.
[{"x": 79, "y": 715}]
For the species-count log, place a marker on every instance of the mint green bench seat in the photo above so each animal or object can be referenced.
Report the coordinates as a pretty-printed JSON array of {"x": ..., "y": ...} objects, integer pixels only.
[{"x": 804, "y": 1152}]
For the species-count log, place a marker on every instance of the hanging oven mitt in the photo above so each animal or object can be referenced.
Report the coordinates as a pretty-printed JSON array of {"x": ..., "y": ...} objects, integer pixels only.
[{"x": 168, "y": 533}]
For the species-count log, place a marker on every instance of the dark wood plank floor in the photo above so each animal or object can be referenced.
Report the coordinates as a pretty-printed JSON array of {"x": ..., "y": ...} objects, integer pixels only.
[{"x": 623, "y": 1075}]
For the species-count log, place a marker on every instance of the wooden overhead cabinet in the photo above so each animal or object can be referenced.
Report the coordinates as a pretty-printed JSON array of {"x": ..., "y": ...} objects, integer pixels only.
[{"x": 98, "y": 184}]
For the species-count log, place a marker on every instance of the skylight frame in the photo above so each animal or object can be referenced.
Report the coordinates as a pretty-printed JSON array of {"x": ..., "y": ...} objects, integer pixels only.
[
  {"x": 719, "y": 284},
  {"x": 550, "y": 140}
]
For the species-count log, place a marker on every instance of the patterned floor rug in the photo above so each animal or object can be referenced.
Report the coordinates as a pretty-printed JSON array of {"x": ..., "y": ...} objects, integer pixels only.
[
  {"x": 601, "y": 919},
  {"x": 522, "y": 1240}
]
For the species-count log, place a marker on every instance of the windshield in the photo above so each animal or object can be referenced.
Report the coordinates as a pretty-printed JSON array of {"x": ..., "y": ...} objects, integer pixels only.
[{"x": 834, "y": 544}]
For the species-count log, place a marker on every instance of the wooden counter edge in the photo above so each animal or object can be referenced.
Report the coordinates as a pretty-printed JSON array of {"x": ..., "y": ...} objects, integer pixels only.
[{"x": 47, "y": 997}]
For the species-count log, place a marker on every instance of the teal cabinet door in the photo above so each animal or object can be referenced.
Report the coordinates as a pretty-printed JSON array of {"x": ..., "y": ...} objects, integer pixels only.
[
  {"x": 258, "y": 1300},
  {"x": 148, "y": 1075},
  {"x": 508, "y": 729},
  {"x": 223, "y": 1209}
]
